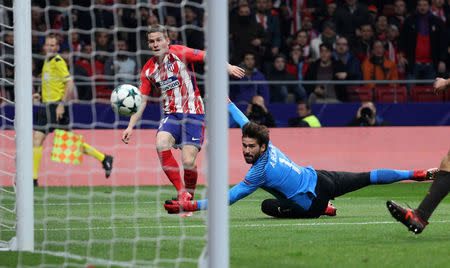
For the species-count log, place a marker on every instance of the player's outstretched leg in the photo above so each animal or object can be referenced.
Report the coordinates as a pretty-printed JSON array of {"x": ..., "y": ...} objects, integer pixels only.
[
  {"x": 386, "y": 176},
  {"x": 106, "y": 160},
  {"x": 171, "y": 168},
  {"x": 279, "y": 209},
  {"x": 409, "y": 217}
]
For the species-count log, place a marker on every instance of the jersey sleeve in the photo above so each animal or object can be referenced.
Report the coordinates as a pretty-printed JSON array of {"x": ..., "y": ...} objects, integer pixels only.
[
  {"x": 188, "y": 55},
  {"x": 144, "y": 86},
  {"x": 62, "y": 70},
  {"x": 237, "y": 115}
]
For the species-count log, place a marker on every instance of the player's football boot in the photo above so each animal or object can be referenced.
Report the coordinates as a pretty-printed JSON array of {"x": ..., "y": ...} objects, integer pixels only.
[
  {"x": 107, "y": 165},
  {"x": 330, "y": 211},
  {"x": 410, "y": 218},
  {"x": 421, "y": 175},
  {"x": 185, "y": 196}
]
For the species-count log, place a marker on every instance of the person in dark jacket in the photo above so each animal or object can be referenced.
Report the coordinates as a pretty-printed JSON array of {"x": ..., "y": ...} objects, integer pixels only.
[
  {"x": 423, "y": 44},
  {"x": 258, "y": 113},
  {"x": 279, "y": 92}
]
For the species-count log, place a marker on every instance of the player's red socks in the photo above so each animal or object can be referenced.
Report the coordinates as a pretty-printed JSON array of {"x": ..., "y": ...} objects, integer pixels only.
[
  {"x": 190, "y": 180},
  {"x": 170, "y": 167}
]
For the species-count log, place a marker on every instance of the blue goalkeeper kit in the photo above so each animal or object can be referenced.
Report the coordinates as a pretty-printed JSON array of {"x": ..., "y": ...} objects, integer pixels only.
[
  {"x": 280, "y": 176},
  {"x": 273, "y": 172}
]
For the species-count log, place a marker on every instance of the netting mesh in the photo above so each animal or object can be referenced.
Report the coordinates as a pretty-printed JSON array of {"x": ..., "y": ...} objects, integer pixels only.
[{"x": 81, "y": 218}]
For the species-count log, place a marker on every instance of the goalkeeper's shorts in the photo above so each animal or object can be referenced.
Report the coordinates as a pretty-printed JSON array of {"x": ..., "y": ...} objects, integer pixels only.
[{"x": 45, "y": 119}]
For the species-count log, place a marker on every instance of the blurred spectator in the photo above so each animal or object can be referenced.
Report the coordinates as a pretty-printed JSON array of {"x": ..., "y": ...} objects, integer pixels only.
[
  {"x": 7, "y": 49},
  {"x": 244, "y": 93},
  {"x": 80, "y": 75},
  {"x": 103, "y": 15},
  {"x": 84, "y": 60},
  {"x": 279, "y": 93},
  {"x": 305, "y": 117},
  {"x": 381, "y": 27},
  {"x": 373, "y": 12},
  {"x": 194, "y": 38},
  {"x": 349, "y": 17},
  {"x": 392, "y": 48},
  {"x": 327, "y": 36},
  {"x": 423, "y": 44},
  {"x": 366, "y": 116},
  {"x": 271, "y": 27},
  {"x": 302, "y": 39},
  {"x": 129, "y": 19},
  {"x": 327, "y": 14},
  {"x": 59, "y": 18},
  {"x": 437, "y": 9},
  {"x": 75, "y": 42},
  {"x": 362, "y": 45},
  {"x": 103, "y": 42},
  {"x": 351, "y": 65},
  {"x": 323, "y": 69},
  {"x": 399, "y": 13},
  {"x": 174, "y": 36},
  {"x": 258, "y": 113},
  {"x": 297, "y": 63},
  {"x": 246, "y": 35},
  {"x": 307, "y": 25},
  {"x": 123, "y": 67},
  {"x": 348, "y": 66},
  {"x": 8, "y": 83},
  {"x": 378, "y": 67}
]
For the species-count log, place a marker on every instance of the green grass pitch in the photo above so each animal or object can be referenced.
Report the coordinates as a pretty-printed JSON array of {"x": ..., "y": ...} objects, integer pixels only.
[{"x": 104, "y": 226}]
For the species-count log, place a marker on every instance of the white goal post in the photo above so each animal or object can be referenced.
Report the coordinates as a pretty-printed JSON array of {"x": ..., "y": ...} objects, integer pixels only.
[{"x": 23, "y": 123}]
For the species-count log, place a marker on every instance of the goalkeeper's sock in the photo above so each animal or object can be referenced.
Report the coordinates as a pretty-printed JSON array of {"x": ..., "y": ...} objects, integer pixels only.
[
  {"x": 37, "y": 156},
  {"x": 190, "y": 180},
  {"x": 89, "y": 150},
  {"x": 438, "y": 190},
  {"x": 385, "y": 176},
  {"x": 170, "y": 167}
]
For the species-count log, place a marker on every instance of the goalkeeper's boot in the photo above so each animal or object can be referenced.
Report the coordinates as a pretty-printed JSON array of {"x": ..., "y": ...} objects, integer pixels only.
[
  {"x": 331, "y": 210},
  {"x": 35, "y": 182},
  {"x": 410, "y": 218},
  {"x": 107, "y": 165},
  {"x": 421, "y": 175}
]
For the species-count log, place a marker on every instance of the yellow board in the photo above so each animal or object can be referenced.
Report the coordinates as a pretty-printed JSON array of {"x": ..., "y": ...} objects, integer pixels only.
[{"x": 67, "y": 147}]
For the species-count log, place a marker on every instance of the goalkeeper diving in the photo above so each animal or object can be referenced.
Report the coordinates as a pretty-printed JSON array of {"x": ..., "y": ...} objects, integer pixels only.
[{"x": 300, "y": 192}]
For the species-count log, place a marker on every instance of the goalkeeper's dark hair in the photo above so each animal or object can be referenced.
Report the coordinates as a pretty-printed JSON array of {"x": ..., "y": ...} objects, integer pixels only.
[
  {"x": 158, "y": 28},
  {"x": 256, "y": 131}
]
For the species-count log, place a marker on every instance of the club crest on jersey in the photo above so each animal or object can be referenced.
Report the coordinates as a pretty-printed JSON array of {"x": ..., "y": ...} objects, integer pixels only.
[{"x": 170, "y": 66}]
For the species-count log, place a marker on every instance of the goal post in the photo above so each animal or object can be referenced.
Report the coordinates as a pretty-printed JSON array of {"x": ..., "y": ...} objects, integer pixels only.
[
  {"x": 23, "y": 123},
  {"x": 217, "y": 89}
]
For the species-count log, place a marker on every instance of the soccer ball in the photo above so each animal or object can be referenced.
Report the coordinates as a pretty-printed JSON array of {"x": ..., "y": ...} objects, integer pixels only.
[{"x": 126, "y": 99}]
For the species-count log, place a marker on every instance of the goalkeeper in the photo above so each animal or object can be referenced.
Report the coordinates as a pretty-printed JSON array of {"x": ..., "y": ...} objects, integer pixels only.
[
  {"x": 301, "y": 192},
  {"x": 56, "y": 87}
]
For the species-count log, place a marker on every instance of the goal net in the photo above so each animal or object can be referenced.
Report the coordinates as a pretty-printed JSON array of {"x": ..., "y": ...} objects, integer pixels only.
[{"x": 82, "y": 218}]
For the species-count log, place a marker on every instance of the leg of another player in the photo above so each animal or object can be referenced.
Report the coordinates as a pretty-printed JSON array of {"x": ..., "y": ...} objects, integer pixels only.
[
  {"x": 106, "y": 160},
  {"x": 188, "y": 158},
  {"x": 438, "y": 190},
  {"x": 38, "y": 140},
  {"x": 164, "y": 143}
]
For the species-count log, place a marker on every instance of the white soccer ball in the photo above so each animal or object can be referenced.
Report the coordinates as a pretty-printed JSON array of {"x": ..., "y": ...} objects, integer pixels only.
[{"x": 126, "y": 99}]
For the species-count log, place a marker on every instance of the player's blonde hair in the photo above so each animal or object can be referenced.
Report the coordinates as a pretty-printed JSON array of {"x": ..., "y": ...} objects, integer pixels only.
[{"x": 158, "y": 28}]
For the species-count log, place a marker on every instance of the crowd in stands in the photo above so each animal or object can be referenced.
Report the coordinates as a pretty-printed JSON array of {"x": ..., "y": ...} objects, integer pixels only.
[{"x": 274, "y": 40}]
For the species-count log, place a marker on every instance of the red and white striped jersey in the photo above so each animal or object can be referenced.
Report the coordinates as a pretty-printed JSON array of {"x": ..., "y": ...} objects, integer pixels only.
[{"x": 179, "y": 90}]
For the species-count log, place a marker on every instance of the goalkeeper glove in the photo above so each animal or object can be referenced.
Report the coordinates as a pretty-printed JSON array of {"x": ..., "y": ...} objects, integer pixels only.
[{"x": 175, "y": 207}]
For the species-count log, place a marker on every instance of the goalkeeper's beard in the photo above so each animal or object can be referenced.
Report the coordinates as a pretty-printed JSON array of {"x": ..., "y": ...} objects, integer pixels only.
[{"x": 251, "y": 159}]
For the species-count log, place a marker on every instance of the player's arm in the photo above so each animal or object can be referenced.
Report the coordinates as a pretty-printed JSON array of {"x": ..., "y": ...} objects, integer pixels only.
[
  {"x": 254, "y": 179},
  {"x": 235, "y": 194},
  {"x": 237, "y": 115},
  {"x": 126, "y": 135},
  {"x": 441, "y": 84},
  {"x": 68, "y": 87}
]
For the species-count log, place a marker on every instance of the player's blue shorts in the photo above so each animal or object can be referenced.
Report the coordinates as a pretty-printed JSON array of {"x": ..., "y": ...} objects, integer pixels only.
[{"x": 185, "y": 128}]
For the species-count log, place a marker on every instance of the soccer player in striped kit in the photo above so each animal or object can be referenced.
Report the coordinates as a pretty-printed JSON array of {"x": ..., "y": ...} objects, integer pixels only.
[{"x": 182, "y": 126}]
